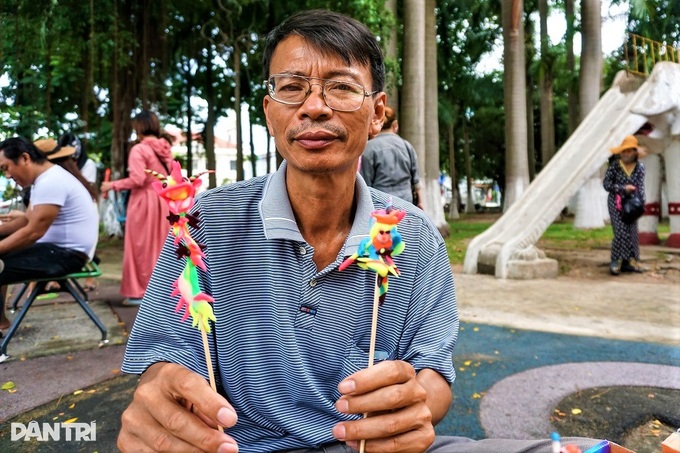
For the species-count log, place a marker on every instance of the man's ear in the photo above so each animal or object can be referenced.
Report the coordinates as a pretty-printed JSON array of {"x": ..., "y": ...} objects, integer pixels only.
[
  {"x": 265, "y": 105},
  {"x": 378, "y": 113}
]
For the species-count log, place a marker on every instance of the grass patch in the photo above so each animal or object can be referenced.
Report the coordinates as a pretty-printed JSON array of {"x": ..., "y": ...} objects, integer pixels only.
[{"x": 559, "y": 235}]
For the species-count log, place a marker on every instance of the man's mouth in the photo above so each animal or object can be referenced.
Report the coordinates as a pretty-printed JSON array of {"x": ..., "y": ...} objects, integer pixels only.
[{"x": 315, "y": 140}]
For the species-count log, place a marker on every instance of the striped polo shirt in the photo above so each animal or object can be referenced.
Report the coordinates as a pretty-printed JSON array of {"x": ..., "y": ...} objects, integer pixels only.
[{"x": 286, "y": 333}]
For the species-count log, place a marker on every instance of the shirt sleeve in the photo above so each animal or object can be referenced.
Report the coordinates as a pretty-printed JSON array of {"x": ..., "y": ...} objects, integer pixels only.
[
  {"x": 415, "y": 176},
  {"x": 136, "y": 165},
  {"x": 431, "y": 329},
  {"x": 48, "y": 191}
]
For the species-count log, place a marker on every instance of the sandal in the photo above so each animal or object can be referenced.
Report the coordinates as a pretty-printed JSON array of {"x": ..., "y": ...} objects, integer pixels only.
[
  {"x": 52, "y": 286},
  {"x": 89, "y": 288}
]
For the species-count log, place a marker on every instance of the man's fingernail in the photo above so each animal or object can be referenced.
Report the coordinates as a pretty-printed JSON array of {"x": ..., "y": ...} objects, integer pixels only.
[
  {"x": 227, "y": 448},
  {"x": 347, "y": 386},
  {"x": 226, "y": 416},
  {"x": 342, "y": 405},
  {"x": 339, "y": 432}
]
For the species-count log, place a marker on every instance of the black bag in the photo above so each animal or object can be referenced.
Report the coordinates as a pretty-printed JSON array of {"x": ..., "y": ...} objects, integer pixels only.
[{"x": 631, "y": 208}]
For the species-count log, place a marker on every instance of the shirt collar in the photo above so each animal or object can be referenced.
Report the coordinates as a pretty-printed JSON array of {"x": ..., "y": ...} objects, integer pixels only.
[{"x": 279, "y": 222}]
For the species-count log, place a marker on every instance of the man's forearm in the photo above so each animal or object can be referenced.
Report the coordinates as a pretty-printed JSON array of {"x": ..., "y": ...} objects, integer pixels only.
[{"x": 438, "y": 393}]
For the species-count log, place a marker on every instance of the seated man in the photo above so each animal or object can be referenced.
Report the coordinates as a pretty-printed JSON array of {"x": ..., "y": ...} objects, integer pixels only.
[
  {"x": 60, "y": 229},
  {"x": 291, "y": 342}
]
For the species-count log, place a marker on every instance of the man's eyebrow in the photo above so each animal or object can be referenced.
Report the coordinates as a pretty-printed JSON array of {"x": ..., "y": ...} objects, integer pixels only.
[{"x": 328, "y": 75}]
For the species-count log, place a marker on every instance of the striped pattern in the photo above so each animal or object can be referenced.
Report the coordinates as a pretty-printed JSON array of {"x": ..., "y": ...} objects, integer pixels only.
[{"x": 286, "y": 335}]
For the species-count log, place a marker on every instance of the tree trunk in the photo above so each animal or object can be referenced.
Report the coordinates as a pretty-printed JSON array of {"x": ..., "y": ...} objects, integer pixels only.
[
  {"x": 516, "y": 164},
  {"x": 470, "y": 202},
  {"x": 392, "y": 53},
  {"x": 590, "y": 212},
  {"x": 253, "y": 156},
  {"x": 88, "y": 97},
  {"x": 572, "y": 87},
  {"x": 429, "y": 180},
  {"x": 209, "y": 135},
  {"x": 546, "y": 83},
  {"x": 190, "y": 139},
  {"x": 237, "y": 108},
  {"x": 531, "y": 146},
  {"x": 413, "y": 90},
  {"x": 453, "y": 206}
]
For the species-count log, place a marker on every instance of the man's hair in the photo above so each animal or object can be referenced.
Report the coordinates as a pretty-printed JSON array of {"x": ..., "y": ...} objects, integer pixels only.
[
  {"x": 332, "y": 34},
  {"x": 146, "y": 123},
  {"x": 13, "y": 148}
]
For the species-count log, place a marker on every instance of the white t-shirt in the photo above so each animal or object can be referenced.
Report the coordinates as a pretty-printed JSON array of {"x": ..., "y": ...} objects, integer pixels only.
[
  {"x": 89, "y": 171},
  {"x": 77, "y": 224}
]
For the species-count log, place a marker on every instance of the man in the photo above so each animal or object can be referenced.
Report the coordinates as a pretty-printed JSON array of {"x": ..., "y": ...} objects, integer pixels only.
[
  {"x": 389, "y": 163},
  {"x": 290, "y": 344},
  {"x": 58, "y": 233}
]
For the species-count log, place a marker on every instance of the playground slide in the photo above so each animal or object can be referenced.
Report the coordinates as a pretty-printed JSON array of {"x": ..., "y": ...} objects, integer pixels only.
[{"x": 507, "y": 248}]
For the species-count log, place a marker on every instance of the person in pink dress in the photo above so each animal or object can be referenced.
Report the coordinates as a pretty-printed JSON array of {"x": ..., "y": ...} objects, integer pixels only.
[{"x": 146, "y": 226}]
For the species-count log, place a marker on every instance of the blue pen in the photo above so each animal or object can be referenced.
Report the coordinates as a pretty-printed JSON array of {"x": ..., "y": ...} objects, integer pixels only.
[{"x": 556, "y": 442}]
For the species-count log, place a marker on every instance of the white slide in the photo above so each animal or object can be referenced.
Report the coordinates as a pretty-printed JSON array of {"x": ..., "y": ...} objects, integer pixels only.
[{"x": 507, "y": 248}]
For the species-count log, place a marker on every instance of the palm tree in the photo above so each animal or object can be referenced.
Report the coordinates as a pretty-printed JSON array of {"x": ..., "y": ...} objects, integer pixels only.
[
  {"x": 546, "y": 83},
  {"x": 430, "y": 177},
  {"x": 516, "y": 161},
  {"x": 590, "y": 212},
  {"x": 413, "y": 89}
]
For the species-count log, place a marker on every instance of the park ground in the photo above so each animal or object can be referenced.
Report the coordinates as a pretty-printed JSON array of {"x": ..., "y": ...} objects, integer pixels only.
[{"x": 502, "y": 318}]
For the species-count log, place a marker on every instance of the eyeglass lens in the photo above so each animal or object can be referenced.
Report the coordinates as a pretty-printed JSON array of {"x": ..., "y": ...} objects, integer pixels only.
[{"x": 339, "y": 95}]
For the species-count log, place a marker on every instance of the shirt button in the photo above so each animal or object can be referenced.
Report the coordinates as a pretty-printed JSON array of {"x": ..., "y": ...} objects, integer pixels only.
[
  {"x": 312, "y": 282},
  {"x": 303, "y": 250}
]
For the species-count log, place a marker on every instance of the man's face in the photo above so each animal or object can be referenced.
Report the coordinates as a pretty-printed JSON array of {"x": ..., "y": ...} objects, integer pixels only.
[
  {"x": 19, "y": 172},
  {"x": 312, "y": 137}
]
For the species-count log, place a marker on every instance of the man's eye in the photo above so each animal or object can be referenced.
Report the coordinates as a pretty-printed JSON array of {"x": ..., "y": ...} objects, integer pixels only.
[
  {"x": 291, "y": 87},
  {"x": 339, "y": 87}
]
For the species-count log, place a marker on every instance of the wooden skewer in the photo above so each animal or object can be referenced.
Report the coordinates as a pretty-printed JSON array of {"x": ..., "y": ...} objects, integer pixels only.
[
  {"x": 371, "y": 347},
  {"x": 208, "y": 360}
]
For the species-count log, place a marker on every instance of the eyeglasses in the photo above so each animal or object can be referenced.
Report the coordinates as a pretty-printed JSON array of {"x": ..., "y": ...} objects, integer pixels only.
[{"x": 339, "y": 95}]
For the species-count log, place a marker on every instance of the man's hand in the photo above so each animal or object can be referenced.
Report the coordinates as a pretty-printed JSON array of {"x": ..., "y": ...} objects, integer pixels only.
[
  {"x": 399, "y": 418},
  {"x": 174, "y": 409}
]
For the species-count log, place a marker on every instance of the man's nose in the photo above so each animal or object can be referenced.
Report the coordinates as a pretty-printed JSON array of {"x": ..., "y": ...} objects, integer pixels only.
[{"x": 315, "y": 103}]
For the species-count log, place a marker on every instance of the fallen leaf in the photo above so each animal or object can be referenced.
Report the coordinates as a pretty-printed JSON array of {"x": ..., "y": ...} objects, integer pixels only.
[
  {"x": 77, "y": 392},
  {"x": 91, "y": 391},
  {"x": 72, "y": 406},
  {"x": 71, "y": 420},
  {"x": 8, "y": 385},
  {"x": 476, "y": 329},
  {"x": 476, "y": 396},
  {"x": 467, "y": 362},
  {"x": 576, "y": 411},
  {"x": 12, "y": 391},
  {"x": 651, "y": 395},
  {"x": 461, "y": 368},
  {"x": 69, "y": 357}
]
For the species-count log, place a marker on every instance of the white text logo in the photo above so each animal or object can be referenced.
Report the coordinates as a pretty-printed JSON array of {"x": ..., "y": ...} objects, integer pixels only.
[{"x": 77, "y": 432}]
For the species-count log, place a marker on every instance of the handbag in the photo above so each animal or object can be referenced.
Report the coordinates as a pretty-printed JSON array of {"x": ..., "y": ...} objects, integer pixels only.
[{"x": 632, "y": 208}]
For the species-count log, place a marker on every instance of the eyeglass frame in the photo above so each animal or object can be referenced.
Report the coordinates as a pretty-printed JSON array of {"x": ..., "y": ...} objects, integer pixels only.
[{"x": 268, "y": 86}]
